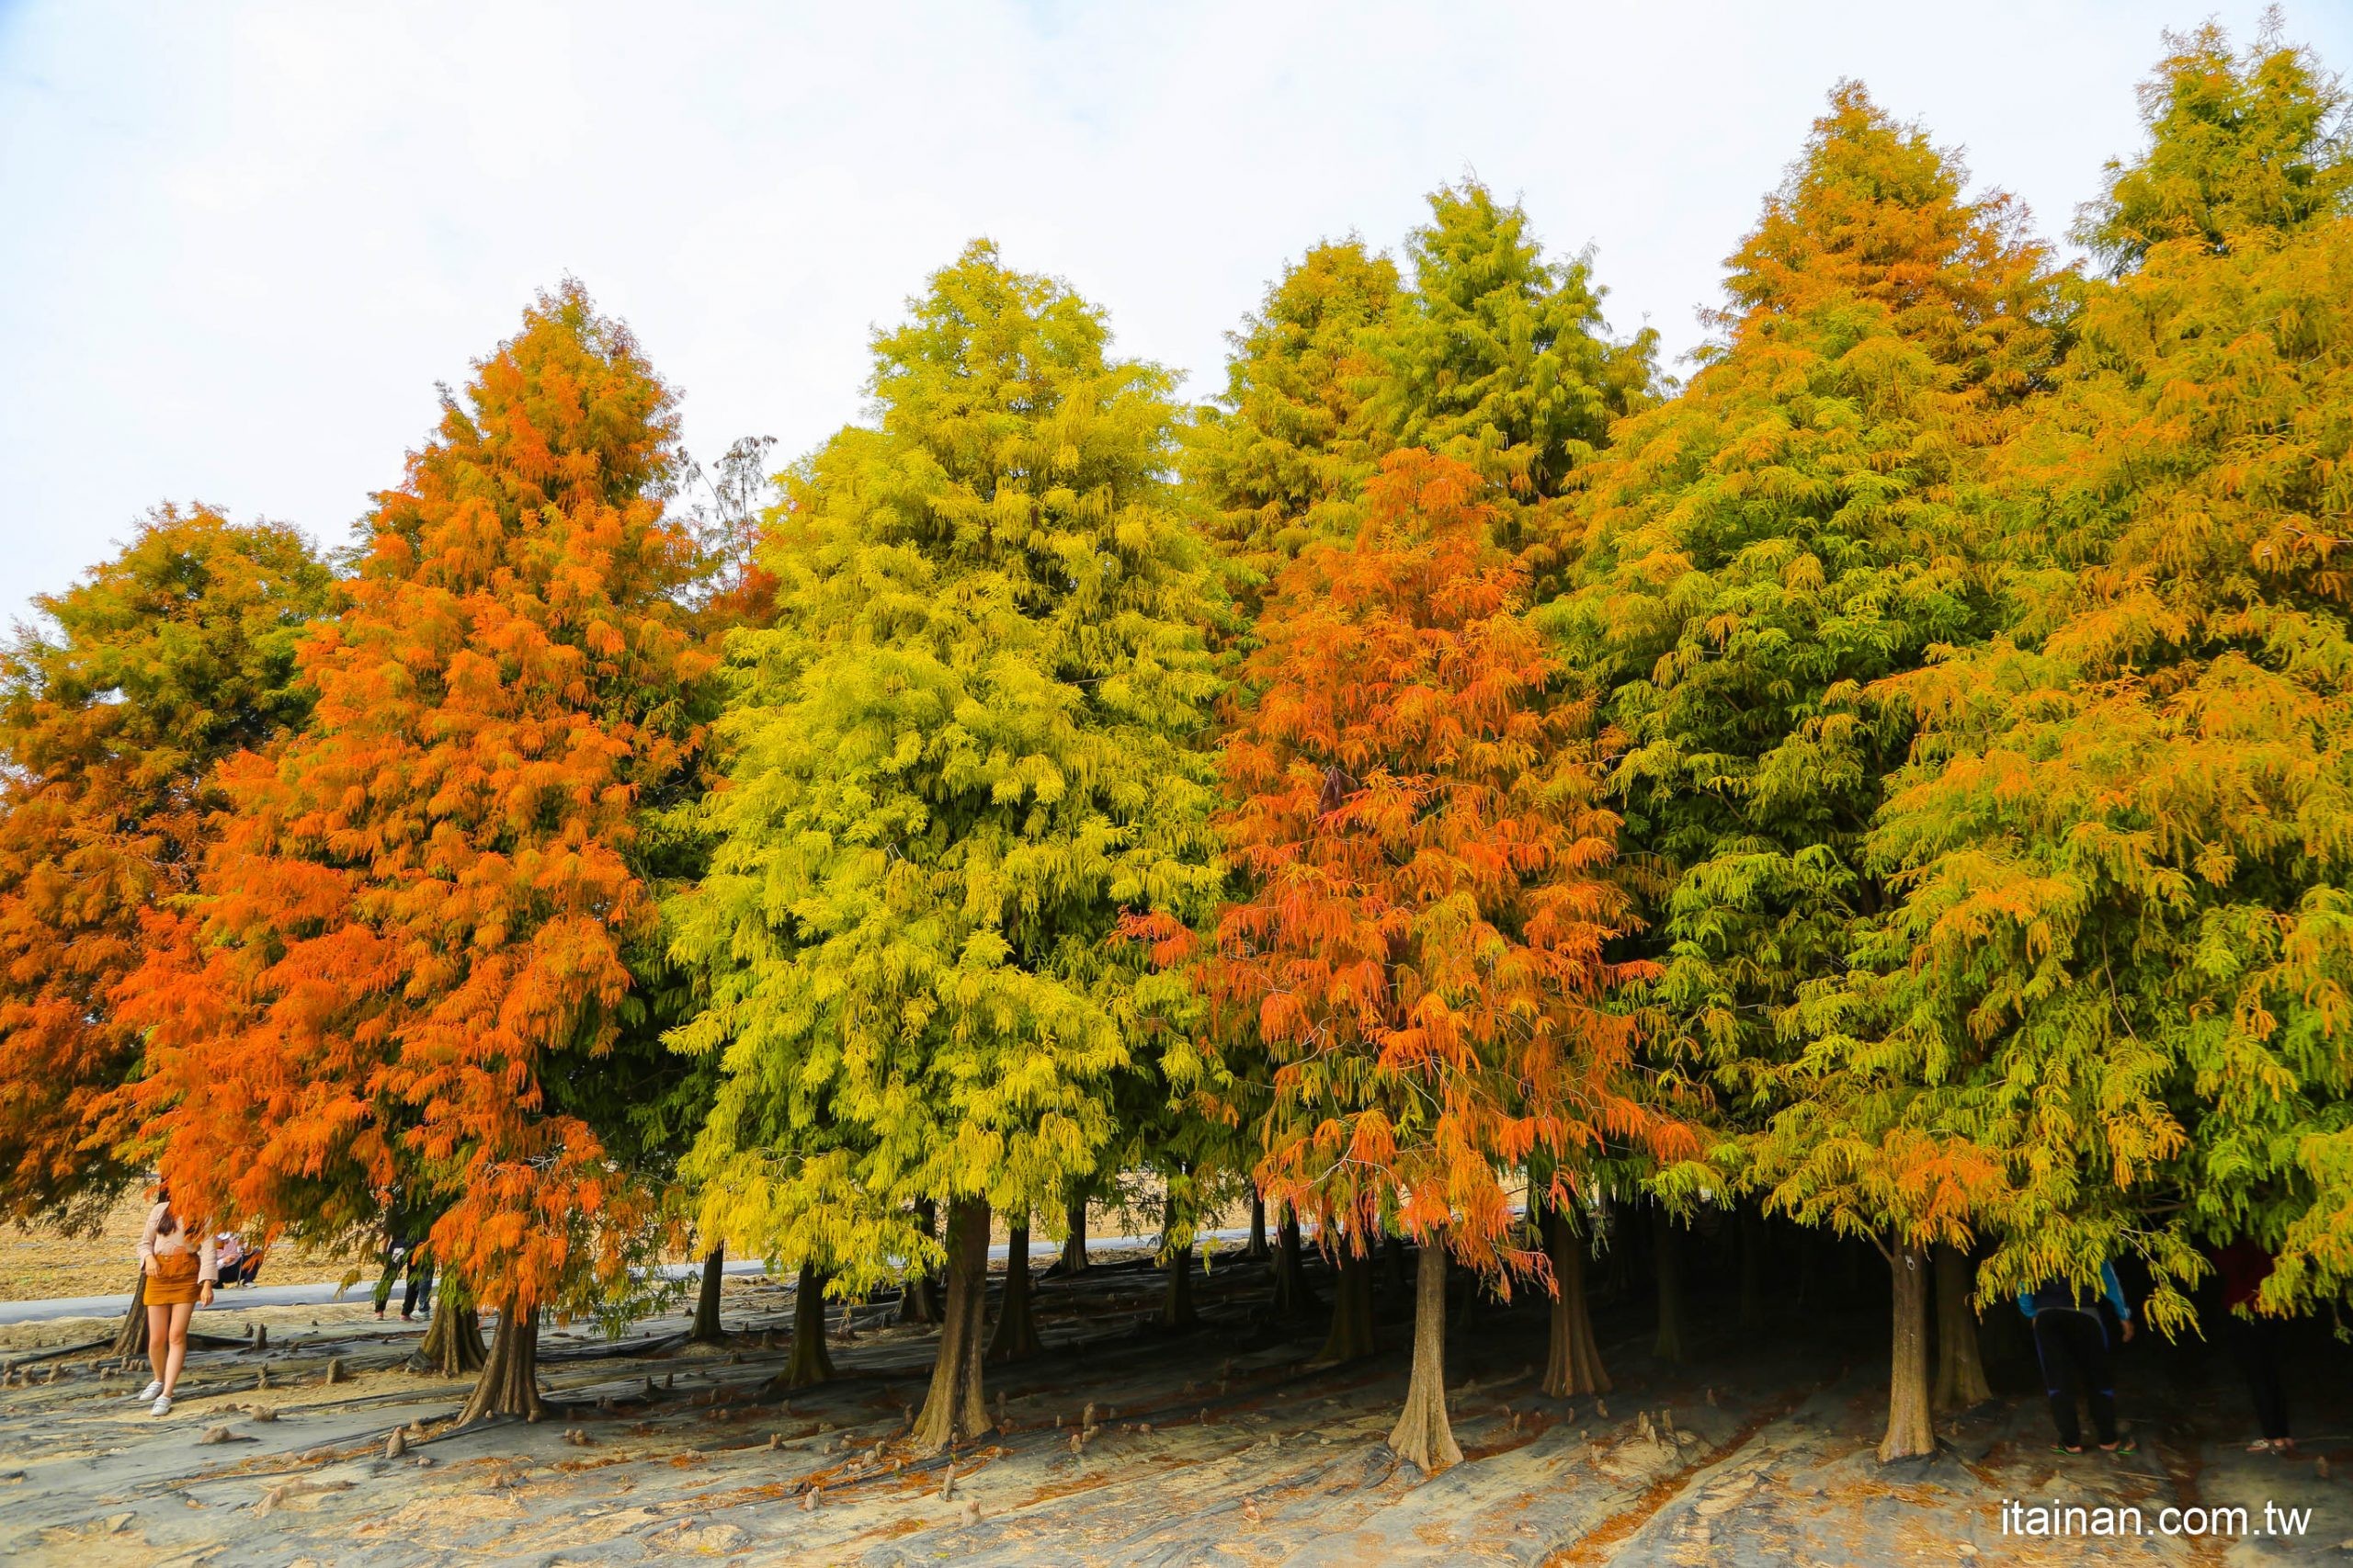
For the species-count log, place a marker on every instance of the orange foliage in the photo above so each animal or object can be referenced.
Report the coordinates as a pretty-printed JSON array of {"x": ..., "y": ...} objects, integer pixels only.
[
  {"x": 164, "y": 660},
  {"x": 410, "y": 950},
  {"x": 1423, "y": 953}
]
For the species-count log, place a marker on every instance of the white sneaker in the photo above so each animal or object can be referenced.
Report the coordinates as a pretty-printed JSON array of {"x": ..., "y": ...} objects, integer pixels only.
[
  {"x": 151, "y": 1390},
  {"x": 163, "y": 1405}
]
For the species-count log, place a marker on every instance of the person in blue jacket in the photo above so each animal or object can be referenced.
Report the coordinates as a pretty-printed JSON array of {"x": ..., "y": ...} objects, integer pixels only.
[{"x": 2071, "y": 1341}]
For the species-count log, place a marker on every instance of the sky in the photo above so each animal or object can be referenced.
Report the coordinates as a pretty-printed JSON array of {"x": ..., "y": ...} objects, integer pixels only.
[{"x": 241, "y": 243}]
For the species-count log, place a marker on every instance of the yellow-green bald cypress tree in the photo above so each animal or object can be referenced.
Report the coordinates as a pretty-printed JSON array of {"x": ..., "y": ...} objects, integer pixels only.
[
  {"x": 970, "y": 741},
  {"x": 2125, "y": 841}
]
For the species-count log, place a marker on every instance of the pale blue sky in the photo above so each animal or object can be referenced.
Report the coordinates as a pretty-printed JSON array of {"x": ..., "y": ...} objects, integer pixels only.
[{"x": 240, "y": 242}]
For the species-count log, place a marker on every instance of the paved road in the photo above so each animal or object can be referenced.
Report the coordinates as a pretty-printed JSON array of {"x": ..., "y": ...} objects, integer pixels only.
[{"x": 240, "y": 1297}]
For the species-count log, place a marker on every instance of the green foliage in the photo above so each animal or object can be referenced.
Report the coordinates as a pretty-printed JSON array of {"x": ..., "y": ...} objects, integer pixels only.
[
  {"x": 2237, "y": 145},
  {"x": 1497, "y": 356},
  {"x": 1281, "y": 459},
  {"x": 1759, "y": 550},
  {"x": 2124, "y": 844},
  {"x": 968, "y": 743}
]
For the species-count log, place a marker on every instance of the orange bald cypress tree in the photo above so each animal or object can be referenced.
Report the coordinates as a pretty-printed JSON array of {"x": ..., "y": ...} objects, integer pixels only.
[
  {"x": 415, "y": 935},
  {"x": 113, "y": 714},
  {"x": 1422, "y": 951}
]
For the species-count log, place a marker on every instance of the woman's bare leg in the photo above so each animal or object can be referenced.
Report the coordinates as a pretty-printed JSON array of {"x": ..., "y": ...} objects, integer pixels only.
[
  {"x": 159, "y": 1329},
  {"x": 180, "y": 1315}
]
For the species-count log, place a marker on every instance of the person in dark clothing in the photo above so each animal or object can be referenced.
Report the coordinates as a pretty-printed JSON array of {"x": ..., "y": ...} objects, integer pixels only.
[
  {"x": 2071, "y": 1341},
  {"x": 405, "y": 1254},
  {"x": 2253, "y": 1340}
]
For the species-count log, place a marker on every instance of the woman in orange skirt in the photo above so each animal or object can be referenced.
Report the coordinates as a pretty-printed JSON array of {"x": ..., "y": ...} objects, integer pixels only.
[{"x": 178, "y": 1275}]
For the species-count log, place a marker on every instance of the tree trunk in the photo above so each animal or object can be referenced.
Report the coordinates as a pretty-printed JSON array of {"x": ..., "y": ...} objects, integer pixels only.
[
  {"x": 131, "y": 1338},
  {"x": 810, "y": 1362},
  {"x": 1177, "y": 1300},
  {"x": 1667, "y": 1253},
  {"x": 1573, "y": 1365},
  {"x": 1625, "y": 1245},
  {"x": 1258, "y": 1251},
  {"x": 707, "y": 1330},
  {"x": 919, "y": 1295},
  {"x": 1422, "y": 1437},
  {"x": 1292, "y": 1298},
  {"x": 452, "y": 1346},
  {"x": 509, "y": 1384},
  {"x": 1910, "y": 1432},
  {"x": 1073, "y": 1258},
  {"x": 1961, "y": 1370},
  {"x": 1351, "y": 1335},
  {"x": 1753, "y": 1239},
  {"x": 1016, "y": 1338},
  {"x": 953, "y": 1412}
]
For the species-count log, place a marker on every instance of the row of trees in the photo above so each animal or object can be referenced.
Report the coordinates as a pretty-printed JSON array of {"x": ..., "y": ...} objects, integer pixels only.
[{"x": 1898, "y": 778}]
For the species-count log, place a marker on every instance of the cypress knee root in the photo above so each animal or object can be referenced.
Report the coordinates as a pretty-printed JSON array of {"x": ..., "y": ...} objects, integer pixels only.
[{"x": 707, "y": 1329}]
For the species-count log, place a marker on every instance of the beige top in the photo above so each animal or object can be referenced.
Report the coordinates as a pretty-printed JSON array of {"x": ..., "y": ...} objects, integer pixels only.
[{"x": 152, "y": 1245}]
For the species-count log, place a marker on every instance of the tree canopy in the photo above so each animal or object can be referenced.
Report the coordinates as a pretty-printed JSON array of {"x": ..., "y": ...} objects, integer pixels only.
[
  {"x": 174, "y": 656},
  {"x": 418, "y": 910}
]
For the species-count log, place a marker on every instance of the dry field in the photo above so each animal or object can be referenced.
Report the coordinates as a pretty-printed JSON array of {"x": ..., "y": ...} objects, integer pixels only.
[{"x": 41, "y": 1264}]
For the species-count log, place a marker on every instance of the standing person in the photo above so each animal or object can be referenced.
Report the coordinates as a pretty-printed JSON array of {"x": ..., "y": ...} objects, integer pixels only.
[
  {"x": 2253, "y": 1339},
  {"x": 2071, "y": 1341},
  {"x": 405, "y": 1254},
  {"x": 178, "y": 1276}
]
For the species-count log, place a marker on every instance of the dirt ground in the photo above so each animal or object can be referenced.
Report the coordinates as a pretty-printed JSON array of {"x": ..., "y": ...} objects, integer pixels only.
[{"x": 1217, "y": 1445}]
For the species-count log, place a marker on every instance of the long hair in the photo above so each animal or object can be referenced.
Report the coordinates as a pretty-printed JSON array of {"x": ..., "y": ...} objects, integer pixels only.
[{"x": 170, "y": 1223}]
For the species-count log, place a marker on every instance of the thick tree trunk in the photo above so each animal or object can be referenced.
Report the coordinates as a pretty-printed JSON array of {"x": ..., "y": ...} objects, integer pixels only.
[
  {"x": 1960, "y": 1368},
  {"x": 452, "y": 1346},
  {"x": 509, "y": 1384},
  {"x": 1753, "y": 1240},
  {"x": 1292, "y": 1298},
  {"x": 707, "y": 1330},
  {"x": 1258, "y": 1251},
  {"x": 1073, "y": 1258},
  {"x": 919, "y": 1293},
  {"x": 1351, "y": 1335},
  {"x": 810, "y": 1362},
  {"x": 953, "y": 1412},
  {"x": 1910, "y": 1432},
  {"x": 1422, "y": 1437},
  {"x": 130, "y": 1339},
  {"x": 1573, "y": 1365},
  {"x": 1016, "y": 1338},
  {"x": 1667, "y": 1253}
]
